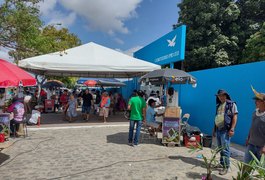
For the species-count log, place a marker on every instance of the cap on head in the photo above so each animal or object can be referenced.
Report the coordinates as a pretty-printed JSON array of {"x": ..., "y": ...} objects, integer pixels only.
[{"x": 151, "y": 101}]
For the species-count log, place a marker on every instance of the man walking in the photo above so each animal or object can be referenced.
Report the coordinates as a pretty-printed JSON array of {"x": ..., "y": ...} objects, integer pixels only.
[
  {"x": 224, "y": 126},
  {"x": 87, "y": 103},
  {"x": 256, "y": 138},
  {"x": 137, "y": 107}
]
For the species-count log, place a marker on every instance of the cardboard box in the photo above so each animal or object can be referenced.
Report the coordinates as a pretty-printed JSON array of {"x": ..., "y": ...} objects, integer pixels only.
[
  {"x": 172, "y": 112},
  {"x": 192, "y": 141}
]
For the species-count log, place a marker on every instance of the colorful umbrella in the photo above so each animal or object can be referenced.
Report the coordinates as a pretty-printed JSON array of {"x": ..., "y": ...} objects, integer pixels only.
[
  {"x": 91, "y": 83},
  {"x": 13, "y": 76}
]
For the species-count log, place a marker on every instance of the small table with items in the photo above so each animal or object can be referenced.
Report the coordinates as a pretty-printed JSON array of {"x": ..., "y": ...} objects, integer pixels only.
[{"x": 5, "y": 124}]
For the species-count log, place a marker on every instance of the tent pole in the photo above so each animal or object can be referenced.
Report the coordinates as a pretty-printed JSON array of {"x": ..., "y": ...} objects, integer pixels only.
[{"x": 40, "y": 83}]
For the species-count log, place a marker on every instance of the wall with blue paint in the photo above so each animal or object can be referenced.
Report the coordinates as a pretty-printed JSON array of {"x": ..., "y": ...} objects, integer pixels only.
[
  {"x": 127, "y": 90},
  {"x": 200, "y": 101}
]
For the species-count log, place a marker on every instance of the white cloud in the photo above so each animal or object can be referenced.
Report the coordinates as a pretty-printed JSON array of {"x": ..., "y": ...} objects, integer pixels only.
[
  {"x": 132, "y": 50},
  {"x": 62, "y": 19},
  {"x": 47, "y": 6},
  {"x": 48, "y": 11},
  {"x": 101, "y": 15},
  {"x": 118, "y": 40}
]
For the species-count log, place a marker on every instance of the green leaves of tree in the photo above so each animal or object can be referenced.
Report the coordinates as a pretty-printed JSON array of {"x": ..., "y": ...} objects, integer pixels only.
[
  {"x": 19, "y": 24},
  {"x": 22, "y": 31},
  {"x": 255, "y": 47},
  {"x": 218, "y": 32}
]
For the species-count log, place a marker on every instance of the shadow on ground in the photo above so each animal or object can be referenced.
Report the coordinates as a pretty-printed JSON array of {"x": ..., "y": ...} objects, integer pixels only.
[
  {"x": 3, "y": 157},
  {"x": 195, "y": 175},
  {"x": 122, "y": 138},
  {"x": 188, "y": 160}
]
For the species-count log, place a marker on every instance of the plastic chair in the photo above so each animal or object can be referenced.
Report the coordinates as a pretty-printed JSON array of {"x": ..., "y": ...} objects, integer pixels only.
[{"x": 184, "y": 121}]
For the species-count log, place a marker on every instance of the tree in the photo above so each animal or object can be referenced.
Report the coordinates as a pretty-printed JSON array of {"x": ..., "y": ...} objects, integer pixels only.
[
  {"x": 22, "y": 31},
  {"x": 211, "y": 33},
  {"x": 49, "y": 40},
  {"x": 218, "y": 30},
  {"x": 19, "y": 24},
  {"x": 255, "y": 47},
  {"x": 251, "y": 20}
]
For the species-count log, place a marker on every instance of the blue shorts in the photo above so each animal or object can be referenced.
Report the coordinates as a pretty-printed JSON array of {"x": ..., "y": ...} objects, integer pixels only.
[{"x": 86, "y": 109}]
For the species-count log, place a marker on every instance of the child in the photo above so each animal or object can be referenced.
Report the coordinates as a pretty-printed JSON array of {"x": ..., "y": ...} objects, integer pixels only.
[
  {"x": 150, "y": 118},
  {"x": 72, "y": 106}
]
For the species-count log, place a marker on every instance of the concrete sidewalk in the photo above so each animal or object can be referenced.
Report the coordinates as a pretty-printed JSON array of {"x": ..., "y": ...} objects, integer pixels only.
[{"x": 100, "y": 152}]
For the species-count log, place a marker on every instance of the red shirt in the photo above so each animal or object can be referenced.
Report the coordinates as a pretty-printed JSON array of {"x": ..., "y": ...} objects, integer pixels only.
[{"x": 64, "y": 98}]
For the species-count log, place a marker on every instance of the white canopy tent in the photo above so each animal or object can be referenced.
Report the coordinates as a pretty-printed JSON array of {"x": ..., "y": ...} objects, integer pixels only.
[{"x": 88, "y": 60}]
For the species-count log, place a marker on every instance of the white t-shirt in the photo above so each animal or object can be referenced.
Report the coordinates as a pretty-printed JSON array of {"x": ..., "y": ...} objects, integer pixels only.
[
  {"x": 158, "y": 102},
  {"x": 172, "y": 101}
]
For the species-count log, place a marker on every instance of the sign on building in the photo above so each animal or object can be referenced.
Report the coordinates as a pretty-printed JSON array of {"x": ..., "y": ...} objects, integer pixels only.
[{"x": 167, "y": 49}]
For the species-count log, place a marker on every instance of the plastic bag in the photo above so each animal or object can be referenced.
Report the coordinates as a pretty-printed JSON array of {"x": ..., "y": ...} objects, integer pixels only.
[{"x": 34, "y": 117}]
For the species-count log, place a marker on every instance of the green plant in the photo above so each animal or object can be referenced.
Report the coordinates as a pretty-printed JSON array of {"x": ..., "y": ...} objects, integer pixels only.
[
  {"x": 209, "y": 163},
  {"x": 253, "y": 170},
  {"x": 4, "y": 129},
  {"x": 244, "y": 171}
]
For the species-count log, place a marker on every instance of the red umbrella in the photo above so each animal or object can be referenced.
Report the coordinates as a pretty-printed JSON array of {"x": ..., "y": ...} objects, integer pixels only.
[
  {"x": 90, "y": 83},
  {"x": 13, "y": 76}
]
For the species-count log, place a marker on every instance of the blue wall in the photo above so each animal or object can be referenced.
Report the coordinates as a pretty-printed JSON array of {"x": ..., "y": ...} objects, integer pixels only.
[
  {"x": 200, "y": 101},
  {"x": 127, "y": 90}
]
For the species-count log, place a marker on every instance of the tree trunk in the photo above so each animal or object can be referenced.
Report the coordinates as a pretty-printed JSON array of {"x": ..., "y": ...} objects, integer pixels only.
[{"x": 209, "y": 176}]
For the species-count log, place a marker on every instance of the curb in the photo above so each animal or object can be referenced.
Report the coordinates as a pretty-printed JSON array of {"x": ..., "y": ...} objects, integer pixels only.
[{"x": 77, "y": 127}]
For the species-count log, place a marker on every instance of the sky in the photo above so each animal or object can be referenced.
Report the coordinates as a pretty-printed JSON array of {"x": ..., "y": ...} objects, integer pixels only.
[{"x": 124, "y": 25}]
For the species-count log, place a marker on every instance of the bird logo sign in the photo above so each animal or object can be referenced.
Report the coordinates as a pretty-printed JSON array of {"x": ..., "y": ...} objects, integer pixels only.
[{"x": 172, "y": 43}]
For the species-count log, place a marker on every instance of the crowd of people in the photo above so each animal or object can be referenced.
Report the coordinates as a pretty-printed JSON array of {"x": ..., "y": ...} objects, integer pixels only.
[
  {"x": 92, "y": 101},
  {"x": 142, "y": 110}
]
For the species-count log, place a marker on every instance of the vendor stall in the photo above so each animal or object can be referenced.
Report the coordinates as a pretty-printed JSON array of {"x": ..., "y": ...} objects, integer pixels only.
[{"x": 171, "y": 121}]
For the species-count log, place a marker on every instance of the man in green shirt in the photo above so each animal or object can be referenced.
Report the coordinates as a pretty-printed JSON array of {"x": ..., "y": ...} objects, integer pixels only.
[{"x": 137, "y": 107}]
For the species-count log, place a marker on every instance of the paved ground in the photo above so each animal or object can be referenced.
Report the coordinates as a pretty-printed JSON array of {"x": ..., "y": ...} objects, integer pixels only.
[
  {"x": 56, "y": 119},
  {"x": 97, "y": 152}
]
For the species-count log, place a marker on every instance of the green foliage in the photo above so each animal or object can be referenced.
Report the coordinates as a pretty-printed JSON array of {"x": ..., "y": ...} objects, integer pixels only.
[
  {"x": 49, "y": 40},
  {"x": 253, "y": 170},
  {"x": 69, "y": 82},
  {"x": 57, "y": 40},
  {"x": 209, "y": 163},
  {"x": 211, "y": 33},
  {"x": 217, "y": 30},
  {"x": 22, "y": 31},
  {"x": 255, "y": 47},
  {"x": 19, "y": 24}
]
